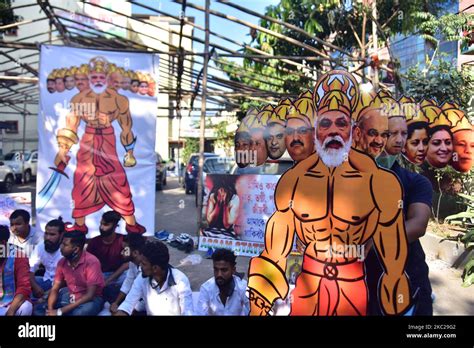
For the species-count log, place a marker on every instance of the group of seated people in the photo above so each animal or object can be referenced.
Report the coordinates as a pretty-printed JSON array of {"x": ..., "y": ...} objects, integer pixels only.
[{"x": 59, "y": 272}]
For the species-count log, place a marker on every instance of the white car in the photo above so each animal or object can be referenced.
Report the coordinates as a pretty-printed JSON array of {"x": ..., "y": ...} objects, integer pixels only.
[
  {"x": 14, "y": 160},
  {"x": 7, "y": 178}
]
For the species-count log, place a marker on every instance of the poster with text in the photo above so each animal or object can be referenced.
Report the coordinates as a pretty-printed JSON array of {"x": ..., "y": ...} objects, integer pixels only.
[{"x": 236, "y": 209}]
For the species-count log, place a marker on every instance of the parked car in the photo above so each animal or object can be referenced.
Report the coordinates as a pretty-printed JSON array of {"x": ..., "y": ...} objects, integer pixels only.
[
  {"x": 192, "y": 171},
  {"x": 214, "y": 165},
  {"x": 270, "y": 167},
  {"x": 15, "y": 160},
  {"x": 7, "y": 177},
  {"x": 160, "y": 172}
]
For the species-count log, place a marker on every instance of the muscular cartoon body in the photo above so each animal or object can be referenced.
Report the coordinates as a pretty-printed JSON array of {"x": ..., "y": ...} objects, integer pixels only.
[
  {"x": 328, "y": 210},
  {"x": 99, "y": 178}
]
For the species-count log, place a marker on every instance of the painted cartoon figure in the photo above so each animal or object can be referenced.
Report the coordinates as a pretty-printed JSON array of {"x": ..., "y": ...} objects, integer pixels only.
[
  {"x": 334, "y": 201},
  {"x": 99, "y": 178}
]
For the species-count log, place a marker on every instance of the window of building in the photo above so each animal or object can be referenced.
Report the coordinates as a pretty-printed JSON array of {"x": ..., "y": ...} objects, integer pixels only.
[{"x": 11, "y": 127}]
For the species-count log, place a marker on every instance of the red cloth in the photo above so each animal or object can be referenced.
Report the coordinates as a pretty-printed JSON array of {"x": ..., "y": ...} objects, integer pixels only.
[
  {"x": 99, "y": 178},
  {"x": 330, "y": 289},
  {"x": 22, "y": 276},
  {"x": 86, "y": 273},
  {"x": 109, "y": 255}
]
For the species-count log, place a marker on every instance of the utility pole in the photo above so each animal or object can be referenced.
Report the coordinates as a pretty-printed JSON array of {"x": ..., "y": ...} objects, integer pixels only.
[
  {"x": 203, "y": 117},
  {"x": 375, "y": 80}
]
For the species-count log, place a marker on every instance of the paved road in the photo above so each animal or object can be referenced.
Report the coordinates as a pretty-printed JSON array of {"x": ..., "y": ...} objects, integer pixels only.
[{"x": 176, "y": 212}]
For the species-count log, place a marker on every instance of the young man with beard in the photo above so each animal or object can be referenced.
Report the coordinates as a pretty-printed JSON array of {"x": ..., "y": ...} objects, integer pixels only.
[
  {"x": 417, "y": 200},
  {"x": 107, "y": 247},
  {"x": 132, "y": 246},
  {"x": 47, "y": 254},
  {"x": 78, "y": 283},
  {"x": 99, "y": 179},
  {"x": 164, "y": 289},
  {"x": 225, "y": 293},
  {"x": 15, "y": 288},
  {"x": 23, "y": 235},
  {"x": 334, "y": 201}
]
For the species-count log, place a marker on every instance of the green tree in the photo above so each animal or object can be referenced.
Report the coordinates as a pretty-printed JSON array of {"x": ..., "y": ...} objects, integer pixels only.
[
  {"x": 442, "y": 81},
  {"x": 342, "y": 23},
  {"x": 223, "y": 139},
  {"x": 191, "y": 146}
]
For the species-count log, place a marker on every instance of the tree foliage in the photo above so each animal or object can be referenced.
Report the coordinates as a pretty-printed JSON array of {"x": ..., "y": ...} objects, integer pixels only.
[
  {"x": 339, "y": 22},
  {"x": 443, "y": 82}
]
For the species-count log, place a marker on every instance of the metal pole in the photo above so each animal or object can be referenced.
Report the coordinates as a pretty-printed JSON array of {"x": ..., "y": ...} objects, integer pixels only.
[
  {"x": 24, "y": 142},
  {"x": 203, "y": 118},
  {"x": 374, "y": 37}
]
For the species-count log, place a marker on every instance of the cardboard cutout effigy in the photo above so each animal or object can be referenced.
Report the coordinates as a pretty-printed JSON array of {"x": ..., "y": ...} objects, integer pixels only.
[
  {"x": 334, "y": 201},
  {"x": 339, "y": 195},
  {"x": 87, "y": 110}
]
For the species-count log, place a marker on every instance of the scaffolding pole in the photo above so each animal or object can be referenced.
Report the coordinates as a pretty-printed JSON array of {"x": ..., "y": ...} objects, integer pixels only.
[{"x": 203, "y": 118}]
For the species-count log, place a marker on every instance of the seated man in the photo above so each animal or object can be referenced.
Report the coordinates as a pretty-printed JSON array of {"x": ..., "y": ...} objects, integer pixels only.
[
  {"x": 15, "y": 287},
  {"x": 47, "y": 253},
  {"x": 224, "y": 294},
  {"x": 133, "y": 244},
  {"x": 164, "y": 289},
  {"x": 78, "y": 284},
  {"x": 23, "y": 235},
  {"x": 108, "y": 249}
]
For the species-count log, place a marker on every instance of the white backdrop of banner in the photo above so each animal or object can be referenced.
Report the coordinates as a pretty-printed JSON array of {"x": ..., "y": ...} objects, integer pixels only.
[{"x": 54, "y": 107}]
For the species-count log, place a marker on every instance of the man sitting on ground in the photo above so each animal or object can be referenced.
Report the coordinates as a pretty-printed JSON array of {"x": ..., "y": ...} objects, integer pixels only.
[
  {"x": 47, "y": 253},
  {"x": 15, "y": 287},
  {"x": 164, "y": 289},
  {"x": 23, "y": 235},
  {"x": 223, "y": 294},
  {"x": 108, "y": 249},
  {"x": 78, "y": 284},
  {"x": 132, "y": 246}
]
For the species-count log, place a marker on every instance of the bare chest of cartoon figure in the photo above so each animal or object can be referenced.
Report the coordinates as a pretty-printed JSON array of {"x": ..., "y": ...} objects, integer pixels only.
[
  {"x": 335, "y": 210},
  {"x": 102, "y": 110}
]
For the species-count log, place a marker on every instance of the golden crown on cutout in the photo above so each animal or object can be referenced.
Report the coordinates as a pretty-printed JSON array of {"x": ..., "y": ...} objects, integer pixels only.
[
  {"x": 52, "y": 75},
  {"x": 99, "y": 65},
  {"x": 456, "y": 116},
  {"x": 83, "y": 70},
  {"x": 60, "y": 73},
  {"x": 303, "y": 109},
  {"x": 248, "y": 121},
  {"x": 73, "y": 70},
  {"x": 341, "y": 94},
  {"x": 280, "y": 112},
  {"x": 365, "y": 98},
  {"x": 264, "y": 115}
]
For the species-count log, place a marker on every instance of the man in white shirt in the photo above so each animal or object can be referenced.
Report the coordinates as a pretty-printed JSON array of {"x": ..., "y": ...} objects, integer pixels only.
[
  {"x": 164, "y": 289},
  {"x": 47, "y": 253},
  {"x": 132, "y": 246},
  {"x": 225, "y": 293},
  {"x": 23, "y": 236}
]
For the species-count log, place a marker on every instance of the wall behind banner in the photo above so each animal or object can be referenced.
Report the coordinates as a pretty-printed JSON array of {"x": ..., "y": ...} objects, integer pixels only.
[{"x": 58, "y": 62}]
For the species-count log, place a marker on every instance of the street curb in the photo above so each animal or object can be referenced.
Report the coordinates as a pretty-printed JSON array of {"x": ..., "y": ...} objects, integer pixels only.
[{"x": 448, "y": 251}]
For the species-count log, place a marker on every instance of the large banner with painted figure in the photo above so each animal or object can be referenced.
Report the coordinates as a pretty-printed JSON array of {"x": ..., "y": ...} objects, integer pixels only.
[{"x": 96, "y": 130}]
